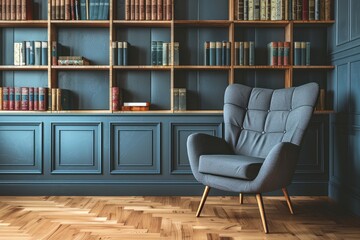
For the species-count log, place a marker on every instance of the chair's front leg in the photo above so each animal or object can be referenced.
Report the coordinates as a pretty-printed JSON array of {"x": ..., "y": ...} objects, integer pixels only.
[
  {"x": 203, "y": 199},
  {"x": 288, "y": 200},
  {"x": 262, "y": 212},
  {"x": 241, "y": 198}
]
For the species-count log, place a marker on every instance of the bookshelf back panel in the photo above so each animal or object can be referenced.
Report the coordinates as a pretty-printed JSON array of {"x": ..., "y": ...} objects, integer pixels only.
[
  {"x": 317, "y": 37},
  {"x": 146, "y": 86},
  {"x": 40, "y": 10},
  {"x": 92, "y": 43},
  {"x": 192, "y": 41},
  {"x": 10, "y": 35},
  {"x": 24, "y": 79},
  {"x": 119, "y": 9},
  {"x": 273, "y": 79},
  {"x": 201, "y": 9},
  {"x": 140, "y": 40},
  {"x": 88, "y": 90},
  {"x": 303, "y": 76},
  {"x": 204, "y": 89}
]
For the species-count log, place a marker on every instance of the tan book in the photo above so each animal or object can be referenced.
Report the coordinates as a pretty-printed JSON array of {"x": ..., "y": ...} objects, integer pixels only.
[
  {"x": 148, "y": 9},
  {"x": 7, "y": 10},
  {"x": 327, "y": 9},
  {"x": 137, "y": 5},
  {"x": 322, "y": 9},
  {"x": 3, "y": 10},
  {"x": 12, "y": 9},
  {"x": 53, "y": 99},
  {"x": 58, "y": 99},
  {"x": 53, "y": 9},
  {"x": 127, "y": 10},
  {"x": 142, "y": 9},
  {"x": 153, "y": 9},
  {"x": 57, "y": 9},
  {"x": 132, "y": 9},
  {"x": 169, "y": 9},
  {"x": 159, "y": 10},
  {"x": 18, "y": 9},
  {"x": 62, "y": 9},
  {"x": 67, "y": 10}
]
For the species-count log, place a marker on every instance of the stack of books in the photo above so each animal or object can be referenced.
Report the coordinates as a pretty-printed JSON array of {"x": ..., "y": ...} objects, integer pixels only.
[
  {"x": 217, "y": 53},
  {"x": 16, "y": 10},
  {"x": 80, "y": 9},
  {"x": 23, "y": 98},
  {"x": 136, "y": 106},
  {"x": 161, "y": 54},
  {"x": 120, "y": 53},
  {"x": 72, "y": 60},
  {"x": 278, "y": 53},
  {"x": 179, "y": 95},
  {"x": 59, "y": 99},
  {"x": 282, "y": 10},
  {"x": 244, "y": 53},
  {"x": 148, "y": 10},
  {"x": 30, "y": 53},
  {"x": 302, "y": 53}
]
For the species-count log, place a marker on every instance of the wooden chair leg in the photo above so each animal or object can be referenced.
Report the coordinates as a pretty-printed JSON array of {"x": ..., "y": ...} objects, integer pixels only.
[
  {"x": 288, "y": 200},
  {"x": 262, "y": 211},
  {"x": 241, "y": 198},
  {"x": 202, "y": 202}
]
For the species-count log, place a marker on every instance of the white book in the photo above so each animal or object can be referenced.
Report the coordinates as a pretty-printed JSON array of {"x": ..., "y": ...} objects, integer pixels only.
[
  {"x": 273, "y": 10},
  {"x": 251, "y": 10},
  {"x": 136, "y": 104},
  {"x": 263, "y": 10},
  {"x": 22, "y": 58},
  {"x": 16, "y": 53}
]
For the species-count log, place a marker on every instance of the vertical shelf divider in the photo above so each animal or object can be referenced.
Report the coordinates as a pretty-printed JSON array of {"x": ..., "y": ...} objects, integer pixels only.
[
  {"x": 289, "y": 33},
  {"x": 172, "y": 72},
  {"x": 112, "y": 37},
  {"x": 232, "y": 41}
]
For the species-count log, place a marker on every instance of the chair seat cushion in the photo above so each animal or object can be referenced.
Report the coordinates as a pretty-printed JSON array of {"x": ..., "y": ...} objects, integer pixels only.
[{"x": 235, "y": 166}]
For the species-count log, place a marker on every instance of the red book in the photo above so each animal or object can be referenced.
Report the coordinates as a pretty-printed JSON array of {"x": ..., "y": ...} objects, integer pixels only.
[
  {"x": 18, "y": 10},
  {"x": 159, "y": 9},
  {"x": 154, "y": 10},
  {"x": 142, "y": 9},
  {"x": 31, "y": 98},
  {"x": 42, "y": 99},
  {"x": 115, "y": 98},
  {"x": 11, "y": 98},
  {"x": 305, "y": 9},
  {"x": 26, "y": 9},
  {"x": 17, "y": 98},
  {"x": 137, "y": 7},
  {"x": 127, "y": 10},
  {"x": 24, "y": 98},
  {"x": 72, "y": 9},
  {"x": 148, "y": 9},
  {"x": 36, "y": 99},
  {"x": 12, "y": 10},
  {"x": 168, "y": 9},
  {"x": 5, "y": 98},
  {"x": 132, "y": 9},
  {"x": 273, "y": 52}
]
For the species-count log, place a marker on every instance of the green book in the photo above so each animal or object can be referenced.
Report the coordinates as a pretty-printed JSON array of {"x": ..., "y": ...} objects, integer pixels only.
[
  {"x": 115, "y": 53},
  {"x": 212, "y": 54},
  {"x": 182, "y": 99},
  {"x": 165, "y": 54},
  {"x": 246, "y": 53},
  {"x": 303, "y": 53},
  {"x": 297, "y": 53},
  {"x": 207, "y": 53},
  {"x": 236, "y": 53},
  {"x": 251, "y": 53},
  {"x": 223, "y": 53},
  {"x": 307, "y": 58},
  {"x": 159, "y": 52},
  {"x": 154, "y": 53},
  {"x": 37, "y": 53},
  {"x": 120, "y": 53},
  {"x": 125, "y": 53},
  {"x": 176, "y": 53},
  {"x": 241, "y": 53},
  {"x": 176, "y": 99},
  {"x": 218, "y": 54},
  {"x": 228, "y": 53}
]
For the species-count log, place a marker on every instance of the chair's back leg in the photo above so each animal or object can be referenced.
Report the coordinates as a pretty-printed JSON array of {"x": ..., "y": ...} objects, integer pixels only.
[
  {"x": 288, "y": 200},
  {"x": 262, "y": 211},
  {"x": 203, "y": 199}
]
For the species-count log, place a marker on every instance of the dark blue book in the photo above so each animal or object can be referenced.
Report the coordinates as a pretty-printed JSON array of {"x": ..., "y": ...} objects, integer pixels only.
[
  {"x": 32, "y": 53},
  {"x": 241, "y": 53},
  {"x": 223, "y": 53},
  {"x": 125, "y": 53},
  {"x": 27, "y": 62},
  {"x": 218, "y": 54},
  {"x": 83, "y": 10},
  {"x": 101, "y": 10},
  {"x": 228, "y": 53},
  {"x": 159, "y": 52},
  {"x": 37, "y": 53},
  {"x": 207, "y": 53},
  {"x": 120, "y": 53},
  {"x": 92, "y": 9},
  {"x": 303, "y": 53},
  {"x": 106, "y": 10},
  {"x": 77, "y": 10},
  {"x": 212, "y": 54},
  {"x": 115, "y": 53},
  {"x": 297, "y": 53},
  {"x": 251, "y": 53},
  {"x": 290, "y": 10},
  {"x": 307, "y": 58},
  {"x": 154, "y": 53},
  {"x": 44, "y": 53}
]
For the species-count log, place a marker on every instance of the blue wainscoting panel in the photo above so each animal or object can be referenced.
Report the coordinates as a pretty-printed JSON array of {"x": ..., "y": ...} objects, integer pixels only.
[
  {"x": 21, "y": 148},
  {"x": 76, "y": 148},
  {"x": 355, "y": 19},
  {"x": 342, "y": 23},
  {"x": 135, "y": 148},
  {"x": 179, "y": 134}
]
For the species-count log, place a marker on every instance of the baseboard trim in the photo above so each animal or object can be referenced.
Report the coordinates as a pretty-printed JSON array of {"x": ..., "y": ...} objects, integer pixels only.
[{"x": 345, "y": 197}]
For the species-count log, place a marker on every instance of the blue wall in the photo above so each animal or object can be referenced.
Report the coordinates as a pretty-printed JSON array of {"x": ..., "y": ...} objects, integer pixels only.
[{"x": 344, "y": 185}]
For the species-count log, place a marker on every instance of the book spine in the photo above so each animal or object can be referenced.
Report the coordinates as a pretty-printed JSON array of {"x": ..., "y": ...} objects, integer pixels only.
[
  {"x": 42, "y": 99},
  {"x": 279, "y": 10},
  {"x": 159, "y": 47},
  {"x": 280, "y": 54},
  {"x": 307, "y": 53},
  {"x": 115, "y": 53},
  {"x": 1, "y": 98},
  {"x": 27, "y": 10},
  {"x": 37, "y": 53},
  {"x": 273, "y": 10},
  {"x": 327, "y": 10},
  {"x": 251, "y": 10},
  {"x": 137, "y": 6},
  {"x": 240, "y": 7},
  {"x": 305, "y": 10},
  {"x": 236, "y": 53},
  {"x": 241, "y": 53},
  {"x": 273, "y": 52},
  {"x": 54, "y": 53},
  {"x": 159, "y": 10},
  {"x": 82, "y": 10},
  {"x": 263, "y": 10},
  {"x": 142, "y": 9},
  {"x": 169, "y": 9},
  {"x": 228, "y": 54},
  {"x": 182, "y": 99},
  {"x": 3, "y": 17},
  {"x": 153, "y": 9},
  {"x": 311, "y": 9},
  {"x": 207, "y": 53},
  {"x": 77, "y": 10},
  {"x": 115, "y": 98},
  {"x": 299, "y": 10},
  {"x": 72, "y": 9},
  {"x": 44, "y": 53},
  {"x": 322, "y": 9},
  {"x": 17, "y": 98},
  {"x": 16, "y": 53},
  {"x": 27, "y": 53},
  {"x": 148, "y": 10},
  {"x": 7, "y": 11},
  {"x": 286, "y": 53},
  {"x": 73, "y": 62},
  {"x": 18, "y": 9},
  {"x": 303, "y": 53},
  {"x": 218, "y": 55},
  {"x": 22, "y": 53},
  {"x": 24, "y": 98},
  {"x": 176, "y": 99},
  {"x": 256, "y": 9},
  {"x": 246, "y": 10},
  {"x": 53, "y": 99},
  {"x": 67, "y": 10},
  {"x": 176, "y": 53},
  {"x": 297, "y": 53},
  {"x": 294, "y": 10},
  {"x": 36, "y": 99},
  {"x": 12, "y": 10},
  {"x": 165, "y": 54},
  {"x": 223, "y": 53},
  {"x": 251, "y": 53},
  {"x": 153, "y": 53},
  {"x": 58, "y": 99},
  {"x": 5, "y": 99},
  {"x": 212, "y": 53},
  {"x": 105, "y": 14},
  {"x": 317, "y": 9},
  {"x": 62, "y": 9},
  {"x": 125, "y": 53},
  {"x": 127, "y": 10},
  {"x": 289, "y": 10},
  {"x": 246, "y": 53},
  {"x": 11, "y": 98},
  {"x": 31, "y": 98},
  {"x": 120, "y": 54}
]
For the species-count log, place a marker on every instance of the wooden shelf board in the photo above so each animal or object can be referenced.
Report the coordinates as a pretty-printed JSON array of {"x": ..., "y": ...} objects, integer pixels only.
[
  {"x": 313, "y": 22},
  {"x": 23, "y": 68},
  {"x": 202, "y": 23},
  {"x": 264, "y": 67},
  {"x": 324, "y": 111},
  {"x": 313, "y": 67},
  {"x": 81, "y": 23},
  {"x": 22, "y": 112},
  {"x": 198, "y": 67},
  {"x": 260, "y": 23},
  {"x": 146, "y": 68},
  {"x": 82, "y": 111},
  {"x": 144, "y": 112},
  {"x": 200, "y": 112},
  {"x": 119, "y": 23},
  {"x": 24, "y": 24},
  {"x": 80, "y": 67}
]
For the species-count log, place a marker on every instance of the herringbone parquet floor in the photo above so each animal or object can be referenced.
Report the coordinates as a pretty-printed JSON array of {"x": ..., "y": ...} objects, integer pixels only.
[{"x": 105, "y": 218}]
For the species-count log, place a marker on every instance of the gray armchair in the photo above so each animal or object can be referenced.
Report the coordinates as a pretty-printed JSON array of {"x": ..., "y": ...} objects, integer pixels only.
[{"x": 263, "y": 133}]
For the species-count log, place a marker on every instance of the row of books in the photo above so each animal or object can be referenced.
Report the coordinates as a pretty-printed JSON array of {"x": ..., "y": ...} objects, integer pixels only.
[
  {"x": 278, "y": 53},
  {"x": 23, "y": 98},
  {"x": 283, "y": 9},
  {"x": 244, "y": 53},
  {"x": 217, "y": 53},
  {"x": 302, "y": 53},
  {"x": 161, "y": 54},
  {"x": 73, "y": 60},
  {"x": 179, "y": 95},
  {"x": 120, "y": 53},
  {"x": 30, "y": 53},
  {"x": 148, "y": 10},
  {"x": 16, "y": 10},
  {"x": 80, "y": 9}
]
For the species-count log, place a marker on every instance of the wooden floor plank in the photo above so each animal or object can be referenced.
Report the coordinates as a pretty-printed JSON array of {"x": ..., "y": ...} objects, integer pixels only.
[{"x": 223, "y": 218}]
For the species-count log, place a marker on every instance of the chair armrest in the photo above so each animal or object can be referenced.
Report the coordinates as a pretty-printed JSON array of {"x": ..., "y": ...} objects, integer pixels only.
[
  {"x": 278, "y": 168},
  {"x": 202, "y": 144}
]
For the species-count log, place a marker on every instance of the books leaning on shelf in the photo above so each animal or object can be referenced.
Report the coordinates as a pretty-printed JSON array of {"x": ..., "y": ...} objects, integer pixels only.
[
  {"x": 80, "y": 9},
  {"x": 302, "y": 53},
  {"x": 18, "y": 10},
  {"x": 72, "y": 60},
  {"x": 120, "y": 53},
  {"x": 179, "y": 95},
  {"x": 30, "y": 53},
  {"x": 140, "y": 10},
  {"x": 161, "y": 53},
  {"x": 136, "y": 106},
  {"x": 282, "y": 10},
  {"x": 244, "y": 53},
  {"x": 217, "y": 53},
  {"x": 278, "y": 53}
]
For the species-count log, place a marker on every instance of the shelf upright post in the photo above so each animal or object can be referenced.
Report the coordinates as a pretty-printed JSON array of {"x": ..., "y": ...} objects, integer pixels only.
[
  {"x": 232, "y": 41},
  {"x": 289, "y": 30},
  {"x": 112, "y": 37}
]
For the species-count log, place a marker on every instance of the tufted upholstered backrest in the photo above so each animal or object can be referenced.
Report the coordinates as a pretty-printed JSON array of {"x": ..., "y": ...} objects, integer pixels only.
[{"x": 256, "y": 119}]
